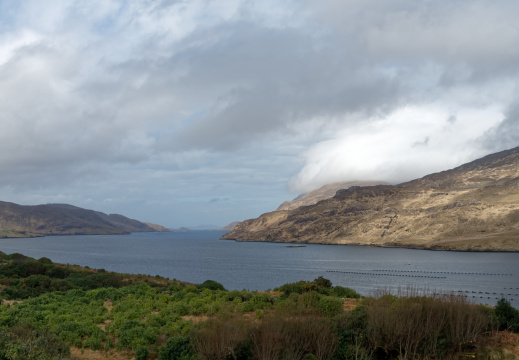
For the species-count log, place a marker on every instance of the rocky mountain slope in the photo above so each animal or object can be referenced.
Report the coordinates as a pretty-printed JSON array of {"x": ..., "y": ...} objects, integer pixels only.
[
  {"x": 62, "y": 219},
  {"x": 472, "y": 207},
  {"x": 323, "y": 193},
  {"x": 230, "y": 226}
]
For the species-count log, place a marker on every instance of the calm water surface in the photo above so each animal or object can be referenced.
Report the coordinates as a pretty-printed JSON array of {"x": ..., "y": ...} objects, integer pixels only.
[{"x": 199, "y": 255}]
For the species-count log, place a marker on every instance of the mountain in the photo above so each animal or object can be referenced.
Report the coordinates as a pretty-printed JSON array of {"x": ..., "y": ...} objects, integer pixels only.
[
  {"x": 62, "y": 219},
  {"x": 324, "y": 192},
  {"x": 230, "y": 226},
  {"x": 158, "y": 228},
  {"x": 472, "y": 207}
]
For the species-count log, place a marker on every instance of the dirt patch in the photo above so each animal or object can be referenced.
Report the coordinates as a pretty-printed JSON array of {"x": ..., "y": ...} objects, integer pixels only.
[
  {"x": 195, "y": 318},
  {"x": 88, "y": 354},
  {"x": 102, "y": 326},
  {"x": 108, "y": 304},
  {"x": 10, "y": 302},
  {"x": 508, "y": 341},
  {"x": 350, "y": 304}
]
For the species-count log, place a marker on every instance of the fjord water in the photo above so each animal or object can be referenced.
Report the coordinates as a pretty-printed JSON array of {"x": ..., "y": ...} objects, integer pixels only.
[{"x": 197, "y": 256}]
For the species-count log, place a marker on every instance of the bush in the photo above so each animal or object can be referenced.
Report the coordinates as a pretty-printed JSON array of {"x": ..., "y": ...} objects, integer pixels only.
[
  {"x": 345, "y": 292},
  {"x": 57, "y": 272},
  {"x": 507, "y": 316},
  {"x": 330, "y": 307},
  {"x": 135, "y": 338},
  {"x": 45, "y": 260},
  {"x": 323, "y": 283},
  {"x": 142, "y": 353},
  {"x": 297, "y": 288},
  {"x": 218, "y": 339},
  {"x": 351, "y": 331},
  {"x": 421, "y": 327},
  {"x": 278, "y": 337},
  {"x": 320, "y": 285},
  {"x": 27, "y": 343},
  {"x": 211, "y": 285},
  {"x": 176, "y": 348}
]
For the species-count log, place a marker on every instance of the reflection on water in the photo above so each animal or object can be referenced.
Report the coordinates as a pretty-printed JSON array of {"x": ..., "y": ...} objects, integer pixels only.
[{"x": 199, "y": 255}]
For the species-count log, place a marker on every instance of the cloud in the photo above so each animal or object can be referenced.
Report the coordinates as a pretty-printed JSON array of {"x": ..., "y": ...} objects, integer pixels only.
[
  {"x": 171, "y": 94},
  {"x": 504, "y": 135},
  {"x": 445, "y": 65},
  {"x": 392, "y": 148}
]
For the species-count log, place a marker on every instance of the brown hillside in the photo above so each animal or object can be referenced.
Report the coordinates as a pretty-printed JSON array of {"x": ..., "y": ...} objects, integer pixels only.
[
  {"x": 472, "y": 207},
  {"x": 323, "y": 193}
]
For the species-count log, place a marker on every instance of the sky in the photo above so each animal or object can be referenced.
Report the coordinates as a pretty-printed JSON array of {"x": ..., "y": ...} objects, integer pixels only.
[{"x": 191, "y": 112}]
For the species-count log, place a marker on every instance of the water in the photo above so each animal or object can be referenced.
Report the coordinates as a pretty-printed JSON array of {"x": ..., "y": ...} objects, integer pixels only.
[{"x": 199, "y": 255}]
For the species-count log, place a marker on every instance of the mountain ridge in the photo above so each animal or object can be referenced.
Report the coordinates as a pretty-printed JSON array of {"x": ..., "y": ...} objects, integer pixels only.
[
  {"x": 62, "y": 219},
  {"x": 322, "y": 193},
  {"x": 474, "y": 206}
]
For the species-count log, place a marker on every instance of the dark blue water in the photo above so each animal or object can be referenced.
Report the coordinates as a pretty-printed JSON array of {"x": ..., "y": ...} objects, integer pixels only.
[{"x": 200, "y": 255}]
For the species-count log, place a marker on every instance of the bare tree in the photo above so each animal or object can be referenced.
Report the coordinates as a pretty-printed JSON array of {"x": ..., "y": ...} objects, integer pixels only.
[{"x": 218, "y": 339}]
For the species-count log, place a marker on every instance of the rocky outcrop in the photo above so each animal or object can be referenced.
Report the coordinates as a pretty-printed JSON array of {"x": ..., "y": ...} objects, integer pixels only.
[
  {"x": 324, "y": 192},
  {"x": 472, "y": 207}
]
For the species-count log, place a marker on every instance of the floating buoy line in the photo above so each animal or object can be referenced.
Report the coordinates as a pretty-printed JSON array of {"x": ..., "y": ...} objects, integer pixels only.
[
  {"x": 417, "y": 274},
  {"x": 386, "y": 274}
]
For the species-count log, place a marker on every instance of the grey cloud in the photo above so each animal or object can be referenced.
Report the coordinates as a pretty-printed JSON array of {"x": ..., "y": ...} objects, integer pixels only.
[
  {"x": 506, "y": 134},
  {"x": 424, "y": 142},
  {"x": 265, "y": 79},
  {"x": 452, "y": 119}
]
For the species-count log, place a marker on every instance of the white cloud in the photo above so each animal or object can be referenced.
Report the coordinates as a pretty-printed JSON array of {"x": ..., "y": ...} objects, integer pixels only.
[{"x": 407, "y": 144}]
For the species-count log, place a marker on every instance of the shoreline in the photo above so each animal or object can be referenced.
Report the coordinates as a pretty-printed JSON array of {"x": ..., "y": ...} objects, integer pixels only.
[{"x": 410, "y": 247}]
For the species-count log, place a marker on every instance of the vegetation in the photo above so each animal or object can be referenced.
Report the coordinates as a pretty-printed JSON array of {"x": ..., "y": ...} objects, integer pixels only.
[{"x": 49, "y": 308}]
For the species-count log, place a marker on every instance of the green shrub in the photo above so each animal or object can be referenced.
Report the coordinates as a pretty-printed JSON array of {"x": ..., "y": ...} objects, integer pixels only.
[
  {"x": 181, "y": 308},
  {"x": 330, "y": 307},
  {"x": 345, "y": 292},
  {"x": 211, "y": 285},
  {"x": 93, "y": 343},
  {"x": 18, "y": 258},
  {"x": 27, "y": 343},
  {"x": 57, "y": 272},
  {"x": 175, "y": 287},
  {"x": 135, "y": 338},
  {"x": 45, "y": 261},
  {"x": 176, "y": 348},
  {"x": 246, "y": 306},
  {"x": 142, "y": 353},
  {"x": 320, "y": 285},
  {"x": 297, "y": 288},
  {"x": 231, "y": 295},
  {"x": 259, "y": 314},
  {"x": 261, "y": 301},
  {"x": 323, "y": 283},
  {"x": 351, "y": 330},
  {"x": 507, "y": 316},
  {"x": 197, "y": 306}
]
